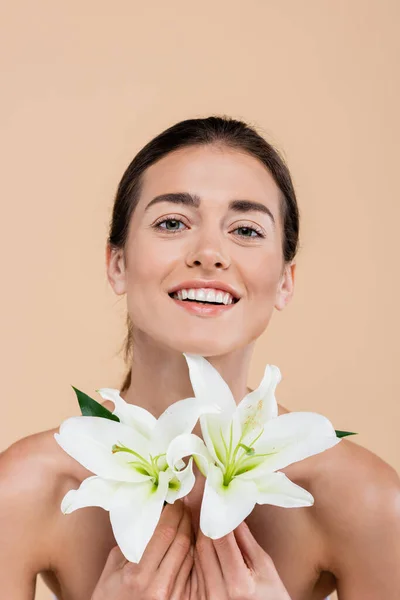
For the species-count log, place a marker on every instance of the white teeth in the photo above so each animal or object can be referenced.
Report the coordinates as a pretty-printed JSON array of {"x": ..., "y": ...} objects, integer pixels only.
[
  {"x": 210, "y": 296},
  {"x": 204, "y": 295},
  {"x": 227, "y": 299}
]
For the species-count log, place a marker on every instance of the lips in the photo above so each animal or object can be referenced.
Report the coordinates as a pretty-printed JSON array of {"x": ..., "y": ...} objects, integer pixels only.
[
  {"x": 206, "y": 283},
  {"x": 203, "y": 309},
  {"x": 171, "y": 295}
]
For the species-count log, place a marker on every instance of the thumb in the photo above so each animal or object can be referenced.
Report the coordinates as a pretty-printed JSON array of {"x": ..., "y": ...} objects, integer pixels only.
[
  {"x": 254, "y": 554},
  {"x": 115, "y": 561}
]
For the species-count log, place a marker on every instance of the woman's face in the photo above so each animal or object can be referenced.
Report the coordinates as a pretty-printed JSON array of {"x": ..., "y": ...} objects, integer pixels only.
[{"x": 219, "y": 230}]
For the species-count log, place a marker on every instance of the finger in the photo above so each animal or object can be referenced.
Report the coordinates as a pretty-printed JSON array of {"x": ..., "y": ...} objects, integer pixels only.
[
  {"x": 210, "y": 567},
  {"x": 198, "y": 584},
  {"x": 163, "y": 537},
  {"x": 255, "y": 556},
  {"x": 230, "y": 557},
  {"x": 186, "y": 592},
  {"x": 182, "y": 581},
  {"x": 177, "y": 552},
  {"x": 115, "y": 560},
  {"x": 194, "y": 581}
]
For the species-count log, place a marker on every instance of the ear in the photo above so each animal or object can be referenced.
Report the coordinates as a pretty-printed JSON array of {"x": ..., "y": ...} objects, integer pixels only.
[
  {"x": 285, "y": 289},
  {"x": 116, "y": 269}
]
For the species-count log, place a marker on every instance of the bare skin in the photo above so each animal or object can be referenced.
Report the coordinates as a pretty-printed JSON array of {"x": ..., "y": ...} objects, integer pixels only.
[
  {"x": 349, "y": 538},
  {"x": 353, "y": 523}
]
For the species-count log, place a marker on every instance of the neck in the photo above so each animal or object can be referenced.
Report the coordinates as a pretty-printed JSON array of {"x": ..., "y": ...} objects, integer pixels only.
[{"x": 160, "y": 375}]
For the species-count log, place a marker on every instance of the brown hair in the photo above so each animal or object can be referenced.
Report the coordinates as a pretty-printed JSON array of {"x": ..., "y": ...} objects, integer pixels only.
[{"x": 220, "y": 130}]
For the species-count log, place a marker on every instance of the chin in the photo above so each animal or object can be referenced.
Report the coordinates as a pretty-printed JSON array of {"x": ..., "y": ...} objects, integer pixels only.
[{"x": 206, "y": 346}]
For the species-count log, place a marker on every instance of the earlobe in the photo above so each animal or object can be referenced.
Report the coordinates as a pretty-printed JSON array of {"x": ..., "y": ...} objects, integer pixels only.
[
  {"x": 115, "y": 265},
  {"x": 286, "y": 287}
]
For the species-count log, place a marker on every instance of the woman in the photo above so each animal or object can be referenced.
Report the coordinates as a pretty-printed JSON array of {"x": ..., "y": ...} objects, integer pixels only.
[{"x": 206, "y": 204}]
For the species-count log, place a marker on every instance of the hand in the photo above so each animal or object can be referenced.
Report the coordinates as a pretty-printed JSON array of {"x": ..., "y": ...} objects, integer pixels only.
[
  {"x": 164, "y": 569},
  {"x": 234, "y": 567}
]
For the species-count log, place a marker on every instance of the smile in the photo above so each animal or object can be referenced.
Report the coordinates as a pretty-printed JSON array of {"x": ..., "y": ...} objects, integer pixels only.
[{"x": 202, "y": 307}]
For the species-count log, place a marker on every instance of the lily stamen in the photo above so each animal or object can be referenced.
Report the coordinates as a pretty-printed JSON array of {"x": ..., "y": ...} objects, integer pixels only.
[
  {"x": 143, "y": 465},
  {"x": 249, "y": 451}
]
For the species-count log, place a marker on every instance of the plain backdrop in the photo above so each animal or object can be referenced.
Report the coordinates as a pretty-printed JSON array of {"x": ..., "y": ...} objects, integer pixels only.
[{"x": 86, "y": 84}]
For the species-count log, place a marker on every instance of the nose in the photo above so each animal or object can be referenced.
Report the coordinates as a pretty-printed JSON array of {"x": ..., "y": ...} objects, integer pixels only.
[{"x": 208, "y": 254}]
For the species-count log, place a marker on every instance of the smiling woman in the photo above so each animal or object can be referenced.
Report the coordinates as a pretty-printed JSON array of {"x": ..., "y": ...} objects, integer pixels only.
[
  {"x": 213, "y": 208},
  {"x": 202, "y": 242}
]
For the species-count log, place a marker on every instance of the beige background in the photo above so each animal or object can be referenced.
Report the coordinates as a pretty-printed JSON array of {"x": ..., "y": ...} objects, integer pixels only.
[{"x": 85, "y": 84}]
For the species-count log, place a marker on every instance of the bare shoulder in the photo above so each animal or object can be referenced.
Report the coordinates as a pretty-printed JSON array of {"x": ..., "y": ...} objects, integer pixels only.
[
  {"x": 36, "y": 454},
  {"x": 349, "y": 483},
  {"x": 37, "y": 466},
  {"x": 357, "y": 506},
  {"x": 34, "y": 475},
  {"x": 348, "y": 475},
  {"x": 25, "y": 468}
]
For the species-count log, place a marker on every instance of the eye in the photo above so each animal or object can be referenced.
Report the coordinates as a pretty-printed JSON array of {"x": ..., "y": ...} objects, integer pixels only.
[
  {"x": 170, "y": 223},
  {"x": 173, "y": 224},
  {"x": 246, "y": 231}
]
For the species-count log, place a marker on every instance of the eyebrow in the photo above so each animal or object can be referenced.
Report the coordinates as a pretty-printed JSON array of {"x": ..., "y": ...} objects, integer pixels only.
[{"x": 193, "y": 201}]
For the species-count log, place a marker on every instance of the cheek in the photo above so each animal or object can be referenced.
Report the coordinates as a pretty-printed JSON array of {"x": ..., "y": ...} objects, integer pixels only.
[
  {"x": 262, "y": 277},
  {"x": 143, "y": 294},
  {"x": 148, "y": 263},
  {"x": 262, "y": 281},
  {"x": 266, "y": 286}
]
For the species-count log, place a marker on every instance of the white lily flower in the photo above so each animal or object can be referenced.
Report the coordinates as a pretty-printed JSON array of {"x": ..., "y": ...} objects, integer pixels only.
[
  {"x": 245, "y": 446},
  {"x": 133, "y": 477}
]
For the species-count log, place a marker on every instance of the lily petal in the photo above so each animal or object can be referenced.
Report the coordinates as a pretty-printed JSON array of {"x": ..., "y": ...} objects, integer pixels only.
[
  {"x": 189, "y": 444},
  {"x": 292, "y": 437},
  {"x": 208, "y": 385},
  {"x": 130, "y": 414},
  {"x": 134, "y": 515},
  {"x": 89, "y": 440},
  {"x": 179, "y": 418},
  {"x": 93, "y": 491},
  {"x": 216, "y": 434},
  {"x": 260, "y": 405},
  {"x": 224, "y": 507},
  {"x": 277, "y": 489},
  {"x": 184, "y": 481}
]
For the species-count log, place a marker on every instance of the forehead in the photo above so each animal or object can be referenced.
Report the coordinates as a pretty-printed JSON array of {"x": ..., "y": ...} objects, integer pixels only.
[{"x": 213, "y": 173}]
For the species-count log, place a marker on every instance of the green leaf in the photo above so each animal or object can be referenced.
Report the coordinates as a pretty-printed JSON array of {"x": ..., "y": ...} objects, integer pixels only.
[
  {"x": 91, "y": 408},
  {"x": 341, "y": 434}
]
